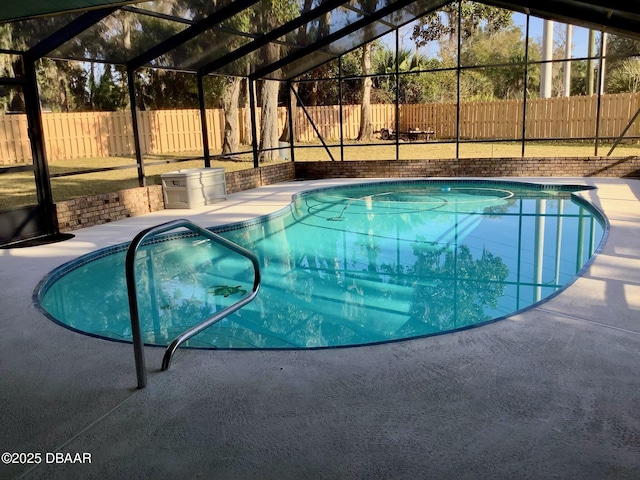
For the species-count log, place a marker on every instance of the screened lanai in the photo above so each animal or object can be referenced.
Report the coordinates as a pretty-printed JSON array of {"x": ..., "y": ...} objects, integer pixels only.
[{"x": 277, "y": 50}]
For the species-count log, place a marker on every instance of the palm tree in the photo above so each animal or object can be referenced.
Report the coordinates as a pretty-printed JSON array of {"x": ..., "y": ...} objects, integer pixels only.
[{"x": 384, "y": 61}]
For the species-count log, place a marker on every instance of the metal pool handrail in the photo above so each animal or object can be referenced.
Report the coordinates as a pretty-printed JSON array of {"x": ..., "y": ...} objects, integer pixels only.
[{"x": 138, "y": 343}]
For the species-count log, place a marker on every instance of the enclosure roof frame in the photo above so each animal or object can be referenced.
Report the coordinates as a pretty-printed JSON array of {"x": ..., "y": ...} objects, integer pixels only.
[
  {"x": 271, "y": 36},
  {"x": 339, "y": 34},
  {"x": 69, "y": 31},
  {"x": 616, "y": 16},
  {"x": 190, "y": 33},
  {"x": 611, "y": 16},
  {"x": 14, "y": 10}
]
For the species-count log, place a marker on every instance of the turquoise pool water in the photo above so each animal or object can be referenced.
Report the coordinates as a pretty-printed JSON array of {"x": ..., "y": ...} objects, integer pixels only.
[{"x": 354, "y": 265}]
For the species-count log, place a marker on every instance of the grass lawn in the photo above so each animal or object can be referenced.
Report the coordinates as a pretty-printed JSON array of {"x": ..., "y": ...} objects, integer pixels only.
[
  {"x": 18, "y": 189},
  {"x": 412, "y": 151}
]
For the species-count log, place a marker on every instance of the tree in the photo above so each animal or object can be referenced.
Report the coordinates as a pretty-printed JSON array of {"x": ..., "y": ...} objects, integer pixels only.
[
  {"x": 163, "y": 89},
  {"x": 442, "y": 25},
  {"x": 625, "y": 77},
  {"x": 109, "y": 96},
  {"x": 72, "y": 82},
  {"x": 506, "y": 46},
  {"x": 411, "y": 87},
  {"x": 487, "y": 35},
  {"x": 366, "y": 129},
  {"x": 623, "y": 74},
  {"x": 314, "y": 88},
  {"x": 428, "y": 87},
  {"x": 384, "y": 60},
  {"x": 273, "y": 13},
  {"x": 230, "y": 97},
  {"x": 62, "y": 84},
  {"x": 618, "y": 45},
  {"x": 304, "y": 36},
  {"x": 231, "y": 86},
  {"x": 269, "y": 137}
]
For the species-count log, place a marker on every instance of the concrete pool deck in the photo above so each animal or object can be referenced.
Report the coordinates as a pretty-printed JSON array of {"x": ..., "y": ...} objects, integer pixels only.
[{"x": 553, "y": 392}]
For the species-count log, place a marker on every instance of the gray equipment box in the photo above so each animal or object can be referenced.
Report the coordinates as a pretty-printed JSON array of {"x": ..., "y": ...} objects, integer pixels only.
[{"x": 194, "y": 187}]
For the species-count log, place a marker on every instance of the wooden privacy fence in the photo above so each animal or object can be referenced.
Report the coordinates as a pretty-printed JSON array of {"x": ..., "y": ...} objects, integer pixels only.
[
  {"x": 109, "y": 134},
  {"x": 562, "y": 117},
  {"x": 14, "y": 140},
  {"x": 104, "y": 134}
]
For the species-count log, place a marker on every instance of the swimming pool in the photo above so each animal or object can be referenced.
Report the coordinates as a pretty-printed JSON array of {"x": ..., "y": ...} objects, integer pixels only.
[{"x": 344, "y": 266}]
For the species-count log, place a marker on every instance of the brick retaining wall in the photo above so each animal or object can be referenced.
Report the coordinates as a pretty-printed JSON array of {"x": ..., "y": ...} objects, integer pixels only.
[
  {"x": 258, "y": 177},
  {"x": 104, "y": 208},
  {"x": 98, "y": 209},
  {"x": 473, "y": 167},
  {"x": 108, "y": 207}
]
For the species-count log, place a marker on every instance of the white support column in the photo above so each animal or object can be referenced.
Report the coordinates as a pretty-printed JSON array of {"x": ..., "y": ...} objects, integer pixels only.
[
  {"x": 567, "y": 65},
  {"x": 546, "y": 76},
  {"x": 590, "y": 63},
  {"x": 603, "y": 61}
]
